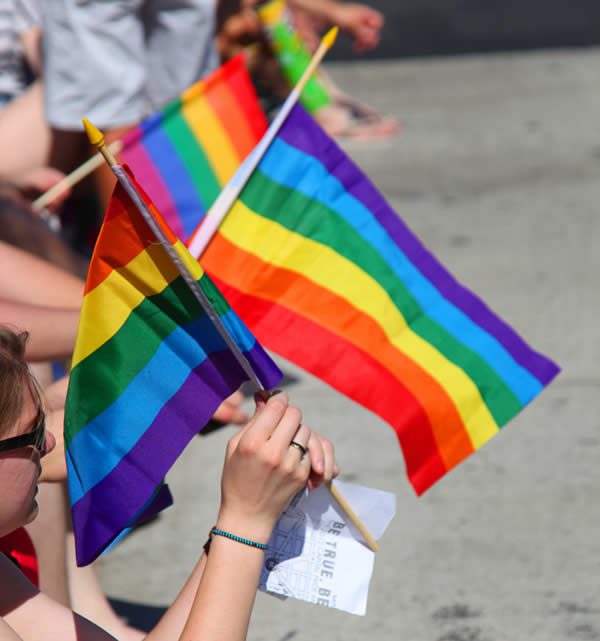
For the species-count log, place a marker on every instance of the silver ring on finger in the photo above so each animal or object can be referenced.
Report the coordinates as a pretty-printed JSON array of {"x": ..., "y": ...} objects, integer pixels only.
[{"x": 298, "y": 446}]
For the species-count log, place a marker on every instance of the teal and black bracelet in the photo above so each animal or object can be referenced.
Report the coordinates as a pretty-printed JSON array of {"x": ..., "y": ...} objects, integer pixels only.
[{"x": 233, "y": 537}]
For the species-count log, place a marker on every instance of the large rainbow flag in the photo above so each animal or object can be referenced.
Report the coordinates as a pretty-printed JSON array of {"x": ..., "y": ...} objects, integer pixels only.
[
  {"x": 186, "y": 152},
  {"x": 326, "y": 274},
  {"x": 149, "y": 370}
]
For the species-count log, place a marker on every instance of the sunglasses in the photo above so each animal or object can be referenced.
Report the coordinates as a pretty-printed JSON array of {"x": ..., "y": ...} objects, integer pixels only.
[{"x": 36, "y": 438}]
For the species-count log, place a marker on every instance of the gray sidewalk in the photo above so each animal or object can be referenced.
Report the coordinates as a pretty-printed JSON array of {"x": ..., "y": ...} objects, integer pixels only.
[{"x": 497, "y": 169}]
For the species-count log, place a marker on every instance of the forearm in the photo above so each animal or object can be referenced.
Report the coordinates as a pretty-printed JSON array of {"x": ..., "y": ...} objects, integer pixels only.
[
  {"x": 326, "y": 10},
  {"x": 28, "y": 279},
  {"x": 223, "y": 604},
  {"x": 52, "y": 330},
  {"x": 216, "y": 602},
  {"x": 173, "y": 621}
]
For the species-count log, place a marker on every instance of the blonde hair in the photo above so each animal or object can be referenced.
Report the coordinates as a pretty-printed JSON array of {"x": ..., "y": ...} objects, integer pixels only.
[{"x": 14, "y": 374}]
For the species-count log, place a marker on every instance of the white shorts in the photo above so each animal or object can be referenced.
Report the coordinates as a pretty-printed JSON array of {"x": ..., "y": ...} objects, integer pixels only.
[{"x": 116, "y": 61}]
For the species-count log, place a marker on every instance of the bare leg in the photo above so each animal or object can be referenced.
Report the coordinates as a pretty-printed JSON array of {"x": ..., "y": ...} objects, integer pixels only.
[{"x": 89, "y": 600}]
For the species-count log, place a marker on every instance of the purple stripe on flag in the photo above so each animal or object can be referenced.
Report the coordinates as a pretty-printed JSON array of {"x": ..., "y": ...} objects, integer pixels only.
[
  {"x": 110, "y": 506},
  {"x": 146, "y": 173},
  {"x": 160, "y": 502},
  {"x": 303, "y": 133}
]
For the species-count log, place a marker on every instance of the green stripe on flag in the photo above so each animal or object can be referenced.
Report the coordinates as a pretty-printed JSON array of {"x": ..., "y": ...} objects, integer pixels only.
[{"x": 313, "y": 220}]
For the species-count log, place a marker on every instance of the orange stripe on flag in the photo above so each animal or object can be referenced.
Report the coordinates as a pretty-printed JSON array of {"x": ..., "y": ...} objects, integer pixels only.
[{"x": 251, "y": 275}]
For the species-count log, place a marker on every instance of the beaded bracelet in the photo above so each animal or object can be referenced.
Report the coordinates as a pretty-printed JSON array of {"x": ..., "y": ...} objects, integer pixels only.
[{"x": 233, "y": 537}]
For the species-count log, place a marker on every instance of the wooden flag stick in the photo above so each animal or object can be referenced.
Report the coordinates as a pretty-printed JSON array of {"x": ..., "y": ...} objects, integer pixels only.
[
  {"x": 70, "y": 180},
  {"x": 96, "y": 138},
  {"x": 351, "y": 514},
  {"x": 209, "y": 225}
]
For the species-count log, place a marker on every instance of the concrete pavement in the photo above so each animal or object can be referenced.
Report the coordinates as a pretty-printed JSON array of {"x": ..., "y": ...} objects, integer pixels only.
[{"x": 497, "y": 170}]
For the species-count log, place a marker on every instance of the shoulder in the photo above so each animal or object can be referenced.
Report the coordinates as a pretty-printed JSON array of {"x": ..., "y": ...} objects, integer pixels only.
[{"x": 23, "y": 607}]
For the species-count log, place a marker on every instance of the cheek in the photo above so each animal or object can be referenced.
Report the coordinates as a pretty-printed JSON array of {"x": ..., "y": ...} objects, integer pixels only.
[{"x": 18, "y": 479}]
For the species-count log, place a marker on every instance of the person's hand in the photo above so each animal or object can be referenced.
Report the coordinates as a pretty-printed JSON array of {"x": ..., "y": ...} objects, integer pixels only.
[
  {"x": 262, "y": 471},
  {"x": 362, "y": 22},
  {"x": 230, "y": 410},
  {"x": 323, "y": 466},
  {"x": 36, "y": 182}
]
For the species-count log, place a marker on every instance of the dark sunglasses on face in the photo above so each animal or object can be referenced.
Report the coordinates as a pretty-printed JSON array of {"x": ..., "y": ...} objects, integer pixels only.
[{"x": 36, "y": 438}]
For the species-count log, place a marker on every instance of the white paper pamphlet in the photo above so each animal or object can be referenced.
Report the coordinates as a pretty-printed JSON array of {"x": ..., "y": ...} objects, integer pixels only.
[{"x": 317, "y": 555}]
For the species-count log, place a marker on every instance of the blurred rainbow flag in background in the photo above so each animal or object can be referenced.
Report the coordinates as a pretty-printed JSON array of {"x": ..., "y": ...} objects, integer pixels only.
[
  {"x": 292, "y": 54},
  {"x": 186, "y": 152},
  {"x": 149, "y": 370},
  {"x": 327, "y": 275}
]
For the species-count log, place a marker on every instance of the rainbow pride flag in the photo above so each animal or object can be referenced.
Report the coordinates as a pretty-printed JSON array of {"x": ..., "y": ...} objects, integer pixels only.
[
  {"x": 149, "y": 369},
  {"x": 327, "y": 275},
  {"x": 187, "y": 151}
]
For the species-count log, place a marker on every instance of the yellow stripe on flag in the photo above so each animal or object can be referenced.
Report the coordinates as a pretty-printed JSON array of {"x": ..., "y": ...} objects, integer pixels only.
[
  {"x": 276, "y": 244},
  {"x": 213, "y": 138},
  {"x": 106, "y": 308}
]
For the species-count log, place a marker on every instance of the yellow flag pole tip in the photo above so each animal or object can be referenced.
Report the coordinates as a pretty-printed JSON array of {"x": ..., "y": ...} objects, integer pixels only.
[
  {"x": 95, "y": 136},
  {"x": 330, "y": 36}
]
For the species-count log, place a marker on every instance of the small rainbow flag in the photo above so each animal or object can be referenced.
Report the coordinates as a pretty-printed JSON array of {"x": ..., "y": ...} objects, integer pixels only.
[
  {"x": 327, "y": 275},
  {"x": 149, "y": 370},
  {"x": 187, "y": 151}
]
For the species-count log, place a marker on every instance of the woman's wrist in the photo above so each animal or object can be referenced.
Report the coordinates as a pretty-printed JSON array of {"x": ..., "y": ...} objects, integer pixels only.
[{"x": 246, "y": 527}]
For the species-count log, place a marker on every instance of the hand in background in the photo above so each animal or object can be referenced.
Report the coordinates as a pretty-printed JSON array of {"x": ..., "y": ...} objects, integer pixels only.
[
  {"x": 230, "y": 410},
  {"x": 35, "y": 182},
  {"x": 361, "y": 22}
]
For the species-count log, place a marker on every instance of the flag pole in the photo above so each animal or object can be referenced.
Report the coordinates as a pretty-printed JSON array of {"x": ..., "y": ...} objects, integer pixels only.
[
  {"x": 351, "y": 514},
  {"x": 70, "y": 180},
  {"x": 96, "y": 138},
  {"x": 203, "y": 234}
]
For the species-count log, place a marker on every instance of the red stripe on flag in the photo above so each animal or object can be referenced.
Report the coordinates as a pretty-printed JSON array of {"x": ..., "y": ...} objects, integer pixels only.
[
  {"x": 339, "y": 365},
  {"x": 241, "y": 86}
]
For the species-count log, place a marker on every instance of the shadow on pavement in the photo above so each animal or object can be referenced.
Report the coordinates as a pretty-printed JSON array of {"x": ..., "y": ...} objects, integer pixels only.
[{"x": 141, "y": 616}]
